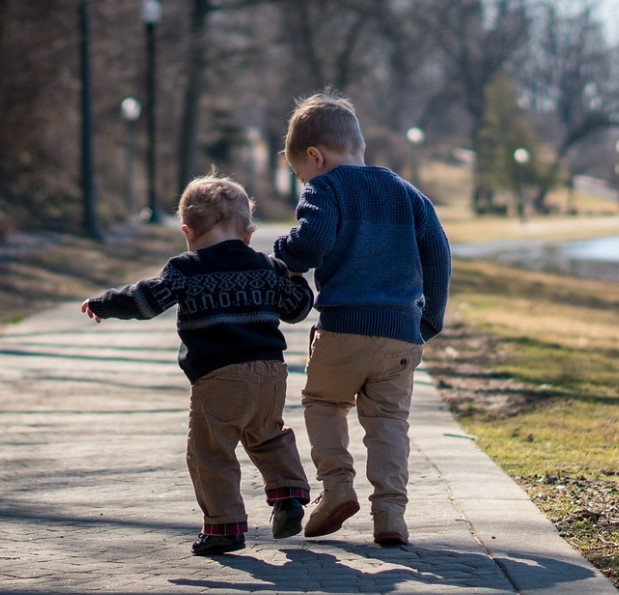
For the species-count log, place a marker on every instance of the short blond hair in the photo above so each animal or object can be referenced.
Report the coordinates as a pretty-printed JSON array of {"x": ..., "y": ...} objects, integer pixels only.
[
  {"x": 326, "y": 119},
  {"x": 211, "y": 200}
]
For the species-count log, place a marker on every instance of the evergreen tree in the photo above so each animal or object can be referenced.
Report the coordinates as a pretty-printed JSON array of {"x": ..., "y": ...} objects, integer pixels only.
[{"x": 505, "y": 129}]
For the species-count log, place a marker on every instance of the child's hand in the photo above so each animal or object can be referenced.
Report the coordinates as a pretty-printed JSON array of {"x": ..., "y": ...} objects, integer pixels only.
[{"x": 86, "y": 310}]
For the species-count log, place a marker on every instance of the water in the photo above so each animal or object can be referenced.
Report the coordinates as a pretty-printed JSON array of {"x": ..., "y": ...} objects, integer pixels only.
[
  {"x": 602, "y": 249},
  {"x": 596, "y": 259}
]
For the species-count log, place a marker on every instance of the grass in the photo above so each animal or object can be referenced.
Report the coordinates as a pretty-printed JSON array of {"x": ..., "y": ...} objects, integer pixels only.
[
  {"x": 528, "y": 362},
  {"x": 78, "y": 267},
  {"x": 452, "y": 187},
  {"x": 558, "y": 345},
  {"x": 559, "y": 337}
]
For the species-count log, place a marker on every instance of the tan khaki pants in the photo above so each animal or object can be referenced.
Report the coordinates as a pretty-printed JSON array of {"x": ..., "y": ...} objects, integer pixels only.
[
  {"x": 239, "y": 403},
  {"x": 376, "y": 374}
]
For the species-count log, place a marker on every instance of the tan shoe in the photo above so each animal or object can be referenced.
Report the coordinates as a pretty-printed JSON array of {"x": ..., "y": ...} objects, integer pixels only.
[
  {"x": 390, "y": 528},
  {"x": 334, "y": 507}
]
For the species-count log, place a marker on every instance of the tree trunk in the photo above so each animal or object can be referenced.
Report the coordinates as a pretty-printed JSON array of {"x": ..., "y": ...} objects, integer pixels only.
[{"x": 188, "y": 143}]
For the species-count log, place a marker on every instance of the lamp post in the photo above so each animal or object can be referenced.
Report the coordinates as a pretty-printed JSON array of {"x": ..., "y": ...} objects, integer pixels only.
[
  {"x": 88, "y": 184},
  {"x": 521, "y": 157},
  {"x": 416, "y": 136},
  {"x": 151, "y": 15},
  {"x": 130, "y": 110}
]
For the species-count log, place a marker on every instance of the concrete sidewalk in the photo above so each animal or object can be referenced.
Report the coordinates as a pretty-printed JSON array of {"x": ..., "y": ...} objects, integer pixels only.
[{"x": 95, "y": 496}]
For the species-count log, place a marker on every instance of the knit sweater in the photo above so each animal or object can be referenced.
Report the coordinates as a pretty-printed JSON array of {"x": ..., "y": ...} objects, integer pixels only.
[
  {"x": 230, "y": 300},
  {"x": 381, "y": 258}
]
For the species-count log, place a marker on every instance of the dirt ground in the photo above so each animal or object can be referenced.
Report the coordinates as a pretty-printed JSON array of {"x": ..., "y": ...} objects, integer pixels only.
[{"x": 40, "y": 269}]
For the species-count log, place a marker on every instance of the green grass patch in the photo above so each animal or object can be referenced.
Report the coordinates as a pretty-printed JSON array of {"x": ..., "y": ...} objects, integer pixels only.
[
  {"x": 589, "y": 374},
  {"x": 551, "y": 347},
  {"x": 559, "y": 341},
  {"x": 560, "y": 437}
]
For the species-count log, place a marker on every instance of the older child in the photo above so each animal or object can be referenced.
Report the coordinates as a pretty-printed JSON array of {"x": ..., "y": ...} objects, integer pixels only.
[
  {"x": 382, "y": 267},
  {"x": 230, "y": 300}
]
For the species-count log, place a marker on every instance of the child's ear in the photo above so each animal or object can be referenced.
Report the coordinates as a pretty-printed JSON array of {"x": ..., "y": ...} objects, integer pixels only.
[
  {"x": 315, "y": 155},
  {"x": 190, "y": 234},
  {"x": 247, "y": 235}
]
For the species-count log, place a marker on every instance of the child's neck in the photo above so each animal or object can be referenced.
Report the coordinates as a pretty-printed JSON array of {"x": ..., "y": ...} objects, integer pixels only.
[
  {"x": 352, "y": 159},
  {"x": 334, "y": 159},
  {"x": 214, "y": 236}
]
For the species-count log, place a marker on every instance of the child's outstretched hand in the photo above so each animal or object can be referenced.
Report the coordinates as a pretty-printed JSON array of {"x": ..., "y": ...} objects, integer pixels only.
[{"x": 86, "y": 310}]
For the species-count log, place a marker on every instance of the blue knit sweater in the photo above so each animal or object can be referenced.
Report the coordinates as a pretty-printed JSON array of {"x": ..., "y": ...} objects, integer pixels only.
[{"x": 381, "y": 258}]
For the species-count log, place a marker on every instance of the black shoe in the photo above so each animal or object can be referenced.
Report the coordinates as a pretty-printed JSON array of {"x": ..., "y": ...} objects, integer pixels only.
[
  {"x": 209, "y": 545},
  {"x": 287, "y": 515}
]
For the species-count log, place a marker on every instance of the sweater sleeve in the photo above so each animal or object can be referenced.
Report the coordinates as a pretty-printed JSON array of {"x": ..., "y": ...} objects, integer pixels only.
[
  {"x": 296, "y": 296},
  {"x": 142, "y": 300},
  {"x": 312, "y": 239},
  {"x": 435, "y": 258}
]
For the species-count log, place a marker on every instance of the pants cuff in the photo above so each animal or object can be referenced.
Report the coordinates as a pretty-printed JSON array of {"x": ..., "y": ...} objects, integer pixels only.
[
  {"x": 225, "y": 529},
  {"x": 284, "y": 493}
]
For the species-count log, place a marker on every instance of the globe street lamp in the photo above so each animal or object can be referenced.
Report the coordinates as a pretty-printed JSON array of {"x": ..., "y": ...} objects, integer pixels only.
[
  {"x": 130, "y": 110},
  {"x": 151, "y": 15},
  {"x": 416, "y": 136},
  {"x": 521, "y": 157}
]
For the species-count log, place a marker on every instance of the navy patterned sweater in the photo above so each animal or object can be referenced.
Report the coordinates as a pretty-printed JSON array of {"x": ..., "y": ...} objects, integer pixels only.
[
  {"x": 230, "y": 301},
  {"x": 381, "y": 258}
]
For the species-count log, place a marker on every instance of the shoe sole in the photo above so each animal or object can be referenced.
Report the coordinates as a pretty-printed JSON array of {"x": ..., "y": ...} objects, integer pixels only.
[
  {"x": 335, "y": 520},
  {"x": 291, "y": 527},
  {"x": 388, "y": 539},
  {"x": 216, "y": 551}
]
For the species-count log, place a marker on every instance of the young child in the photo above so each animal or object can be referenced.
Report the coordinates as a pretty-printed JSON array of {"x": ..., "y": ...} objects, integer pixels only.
[
  {"x": 382, "y": 270},
  {"x": 230, "y": 300}
]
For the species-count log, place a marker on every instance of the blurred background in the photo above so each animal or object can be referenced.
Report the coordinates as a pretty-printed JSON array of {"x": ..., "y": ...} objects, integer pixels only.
[{"x": 107, "y": 109}]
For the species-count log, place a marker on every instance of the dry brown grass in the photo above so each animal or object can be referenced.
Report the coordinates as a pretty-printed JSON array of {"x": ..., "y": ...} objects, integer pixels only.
[
  {"x": 451, "y": 185},
  {"x": 78, "y": 267},
  {"x": 528, "y": 362}
]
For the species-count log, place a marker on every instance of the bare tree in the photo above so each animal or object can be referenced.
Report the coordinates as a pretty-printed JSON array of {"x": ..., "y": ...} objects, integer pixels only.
[
  {"x": 570, "y": 77},
  {"x": 323, "y": 38},
  {"x": 476, "y": 40},
  {"x": 229, "y": 71},
  {"x": 188, "y": 145}
]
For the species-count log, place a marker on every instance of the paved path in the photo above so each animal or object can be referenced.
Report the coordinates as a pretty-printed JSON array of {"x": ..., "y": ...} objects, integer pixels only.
[{"x": 94, "y": 494}]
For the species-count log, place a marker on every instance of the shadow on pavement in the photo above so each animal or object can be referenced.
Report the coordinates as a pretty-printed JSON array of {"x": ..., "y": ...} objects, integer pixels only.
[{"x": 310, "y": 570}]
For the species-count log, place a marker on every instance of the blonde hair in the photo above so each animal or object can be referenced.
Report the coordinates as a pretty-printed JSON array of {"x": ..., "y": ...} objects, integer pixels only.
[
  {"x": 326, "y": 119},
  {"x": 211, "y": 200}
]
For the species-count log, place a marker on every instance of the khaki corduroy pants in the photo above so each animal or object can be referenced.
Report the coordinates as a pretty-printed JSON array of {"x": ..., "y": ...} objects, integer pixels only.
[
  {"x": 376, "y": 375},
  {"x": 239, "y": 403}
]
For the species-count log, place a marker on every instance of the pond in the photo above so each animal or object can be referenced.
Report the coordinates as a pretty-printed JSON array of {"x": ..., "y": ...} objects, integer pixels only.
[
  {"x": 603, "y": 249},
  {"x": 597, "y": 259}
]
